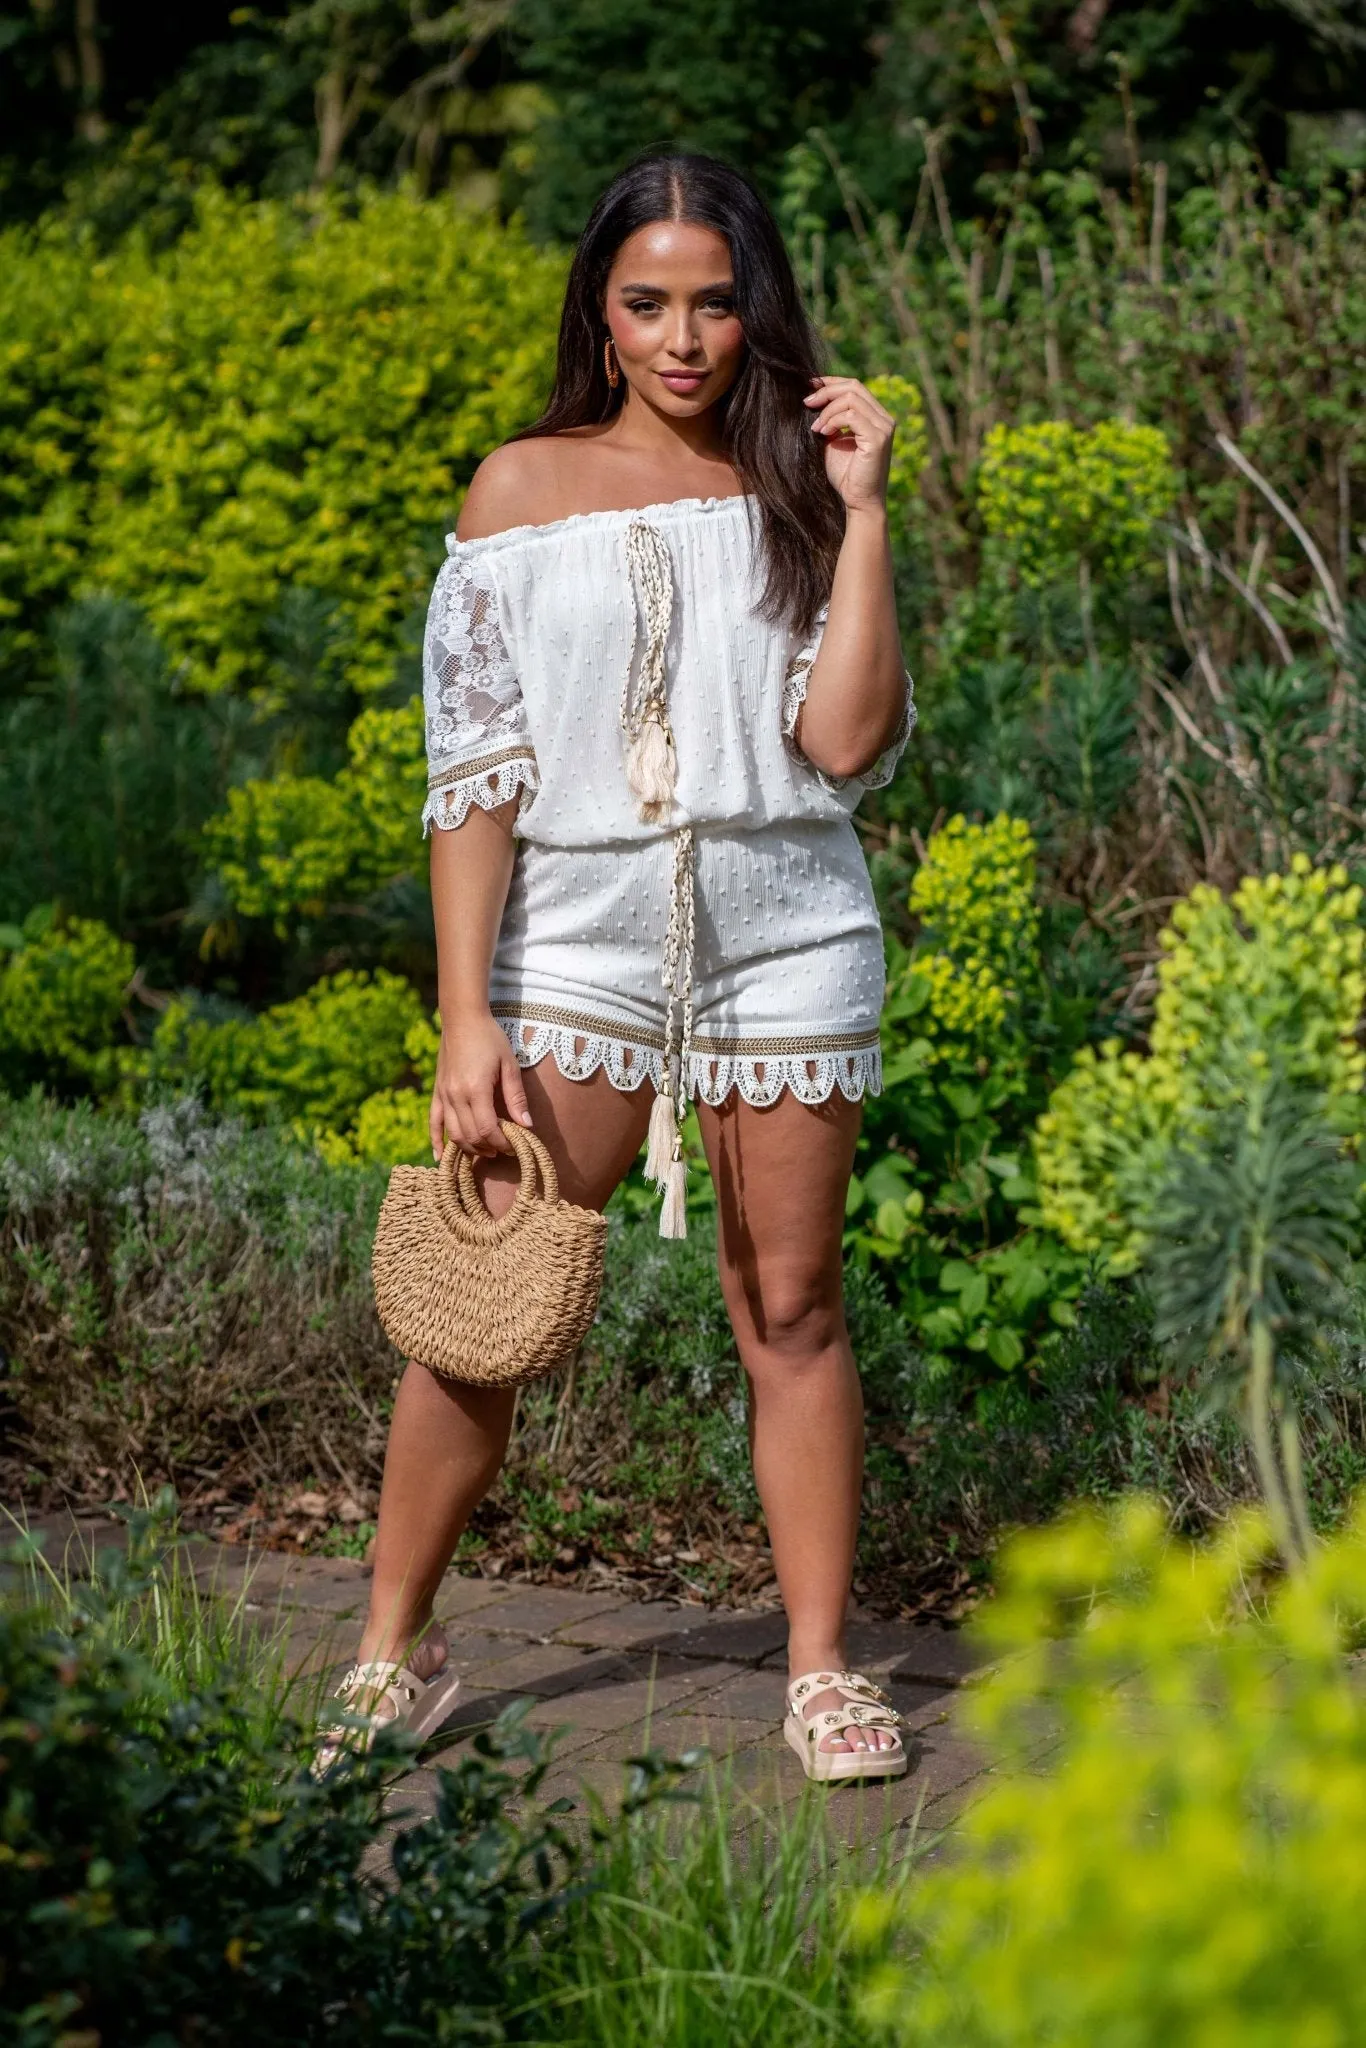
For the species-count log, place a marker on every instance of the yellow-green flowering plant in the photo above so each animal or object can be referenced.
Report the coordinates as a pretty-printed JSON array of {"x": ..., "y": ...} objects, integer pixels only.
[
  {"x": 979, "y": 933},
  {"x": 1168, "y": 1849},
  {"x": 910, "y": 448},
  {"x": 1053, "y": 495},
  {"x": 946, "y": 1207},
  {"x": 1270, "y": 978},
  {"x": 390, "y": 1127}
]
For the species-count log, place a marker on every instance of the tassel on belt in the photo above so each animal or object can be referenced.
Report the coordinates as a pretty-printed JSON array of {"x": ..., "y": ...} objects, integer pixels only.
[{"x": 652, "y": 776}]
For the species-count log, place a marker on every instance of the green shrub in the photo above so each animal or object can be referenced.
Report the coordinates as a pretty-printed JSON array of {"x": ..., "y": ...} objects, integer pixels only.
[
  {"x": 107, "y": 773},
  {"x": 63, "y": 990},
  {"x": 1268, "y": 978},
  {"x": 179, "y": 1295},
  {"x": 1172, "y": 1849},
  {"x": 53, "y": 335},
  {"x": 947, "y": 1208},
  {"x": 314, "y": 1060},
  {"x": 168, "y": 1865},
  {"x": 281, "y": 846},
  {"x": 288, "y": 844},
  {"x": 296, "y": 398}
]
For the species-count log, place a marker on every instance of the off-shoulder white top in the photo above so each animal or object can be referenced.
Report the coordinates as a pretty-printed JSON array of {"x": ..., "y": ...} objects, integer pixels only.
[{"x": 529, "y": 639}]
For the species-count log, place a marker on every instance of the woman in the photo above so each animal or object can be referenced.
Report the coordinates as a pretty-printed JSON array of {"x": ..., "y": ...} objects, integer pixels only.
[{"x": 663, "y": 655}]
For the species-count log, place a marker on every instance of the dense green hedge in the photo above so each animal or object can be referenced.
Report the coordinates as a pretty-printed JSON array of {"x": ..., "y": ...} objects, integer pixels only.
[{"x": 291, "y": 398}]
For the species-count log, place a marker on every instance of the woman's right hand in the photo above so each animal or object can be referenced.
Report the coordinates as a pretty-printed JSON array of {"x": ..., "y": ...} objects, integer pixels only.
[{"x": 474, "y": 1067}]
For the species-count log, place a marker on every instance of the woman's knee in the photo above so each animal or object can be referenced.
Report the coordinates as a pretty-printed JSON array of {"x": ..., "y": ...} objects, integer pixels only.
[{"x": 787, "y": 1310}]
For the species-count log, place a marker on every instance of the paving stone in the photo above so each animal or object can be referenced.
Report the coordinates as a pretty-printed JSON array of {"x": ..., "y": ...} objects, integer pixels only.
[
  {"x": 752, "y": 1695},
  {"x": 733, "y": 1638},
  {"x": 458, "y": 1595},
  {"x": 936, "y": 1655},
  {"x": 540, "y": 1611},
  {"x": 722, "y": 1734},
  {"x": 476, "y": 1649},
  {"x": 549, "y": 1670},
  {"x": 584, "y": 1779},
  {"x": 859, "y": 1815},
  {"x": 765, "y": 1773},
  {"x": 615, "y": 1697},
  {"x": 941, "y": 1815},
  {"x": 330, "y": 1592},
  {"x": 627, "y": 1626},
  {"x": 62, "y": 1532},
  {"x": 943, "y": 1765},
  {"x": 474, "y": 1711},
  {"x": 879, "y": 1647}
]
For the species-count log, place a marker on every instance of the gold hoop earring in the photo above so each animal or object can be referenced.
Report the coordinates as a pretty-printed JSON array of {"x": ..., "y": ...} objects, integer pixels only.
[{"x": 609, "y": 364}]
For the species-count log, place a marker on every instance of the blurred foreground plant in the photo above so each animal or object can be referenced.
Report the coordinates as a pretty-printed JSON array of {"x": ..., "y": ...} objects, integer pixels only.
[
  {"x": 1189, "y": 1869},
  {"x": 169, "y": 1869}
]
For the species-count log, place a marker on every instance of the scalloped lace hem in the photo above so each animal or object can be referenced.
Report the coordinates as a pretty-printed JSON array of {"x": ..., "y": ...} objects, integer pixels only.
[
  {"x": 448, "y": 806},
  {"x": 812, "y": 1077}
]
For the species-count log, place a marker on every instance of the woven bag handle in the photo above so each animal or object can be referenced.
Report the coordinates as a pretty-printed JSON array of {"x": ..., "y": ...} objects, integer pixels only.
[{"x": 458, "y": 1193}]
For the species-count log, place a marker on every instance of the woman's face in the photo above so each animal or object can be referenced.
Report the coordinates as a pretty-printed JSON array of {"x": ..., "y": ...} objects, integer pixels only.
[{"x": 669, "y": 306}]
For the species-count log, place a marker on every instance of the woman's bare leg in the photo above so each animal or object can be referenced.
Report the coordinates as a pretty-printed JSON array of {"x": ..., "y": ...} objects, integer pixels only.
[
  {"x": 446, "y": 1442},
  {"x": 781, "y": 1176}
]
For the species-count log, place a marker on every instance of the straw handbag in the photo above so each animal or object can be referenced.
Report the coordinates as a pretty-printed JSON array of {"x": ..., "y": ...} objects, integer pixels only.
[{"x": 488, "y": 1302}]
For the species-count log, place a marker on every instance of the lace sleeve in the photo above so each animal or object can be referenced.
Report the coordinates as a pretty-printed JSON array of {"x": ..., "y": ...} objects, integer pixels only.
[
  {"x": 478, "y": 743},
  {"x": 850, "y": 787}
]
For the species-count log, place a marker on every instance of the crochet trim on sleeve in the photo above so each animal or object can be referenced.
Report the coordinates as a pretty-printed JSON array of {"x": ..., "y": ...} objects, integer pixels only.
[
  {"x": 489, "y": 782},
  {"x": 795, "y": 684}
]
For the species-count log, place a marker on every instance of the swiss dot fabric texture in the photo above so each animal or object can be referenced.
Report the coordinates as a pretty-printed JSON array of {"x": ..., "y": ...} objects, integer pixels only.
[{"x": 528, "y": 639}]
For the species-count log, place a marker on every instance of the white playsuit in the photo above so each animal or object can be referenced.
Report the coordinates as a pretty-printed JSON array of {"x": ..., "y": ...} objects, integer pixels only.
[{"x": 532, "y": 636}]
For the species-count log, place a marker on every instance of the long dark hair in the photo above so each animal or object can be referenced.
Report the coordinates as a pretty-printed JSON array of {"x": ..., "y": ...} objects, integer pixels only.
[{"x": 767, "y": 433}]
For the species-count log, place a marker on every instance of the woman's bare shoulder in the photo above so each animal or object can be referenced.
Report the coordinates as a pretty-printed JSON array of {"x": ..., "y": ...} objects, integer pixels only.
[
  {"x": 509, "y": 488},
  {"x": 537, "y": 483}
]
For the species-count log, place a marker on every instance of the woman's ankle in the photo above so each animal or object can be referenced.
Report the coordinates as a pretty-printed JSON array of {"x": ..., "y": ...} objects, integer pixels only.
[
  {"x": 813, "y": 1654},
  {"x": 420, "y": 1644}
]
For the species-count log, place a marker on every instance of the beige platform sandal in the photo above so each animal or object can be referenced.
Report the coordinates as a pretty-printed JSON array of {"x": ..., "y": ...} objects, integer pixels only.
[
  {"x": 867, "y": 1707},
  {"x": 381, "y": 1695}
]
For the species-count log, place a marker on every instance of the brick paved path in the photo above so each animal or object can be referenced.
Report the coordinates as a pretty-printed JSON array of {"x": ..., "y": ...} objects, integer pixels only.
[{"x": 617, "y": 1676}]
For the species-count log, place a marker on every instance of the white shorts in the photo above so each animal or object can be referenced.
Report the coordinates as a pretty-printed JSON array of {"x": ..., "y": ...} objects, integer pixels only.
[{"x": 788, "y": 966}]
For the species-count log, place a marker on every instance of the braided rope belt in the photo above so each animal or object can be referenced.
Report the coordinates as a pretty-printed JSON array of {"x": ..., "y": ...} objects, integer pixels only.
[{"x": 652, "y": 777}]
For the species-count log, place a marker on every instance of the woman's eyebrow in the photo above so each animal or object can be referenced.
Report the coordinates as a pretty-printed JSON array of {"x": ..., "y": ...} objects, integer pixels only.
[{"x": 661, "y": 291}]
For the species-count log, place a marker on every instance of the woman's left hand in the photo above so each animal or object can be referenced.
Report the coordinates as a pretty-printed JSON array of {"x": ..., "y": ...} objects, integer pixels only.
[{"x": 858, "y": 440}]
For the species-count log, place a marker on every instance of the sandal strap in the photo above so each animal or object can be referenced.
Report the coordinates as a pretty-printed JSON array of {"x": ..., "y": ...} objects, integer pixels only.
[
  {"x": 821, "y": 1725},
  {"x": 393, "y": 1683},
  {"x": 850, "y": 1685}
]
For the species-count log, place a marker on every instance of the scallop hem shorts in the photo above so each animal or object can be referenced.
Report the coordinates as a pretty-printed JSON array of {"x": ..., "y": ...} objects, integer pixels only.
[{"x": 787, "y": 969}]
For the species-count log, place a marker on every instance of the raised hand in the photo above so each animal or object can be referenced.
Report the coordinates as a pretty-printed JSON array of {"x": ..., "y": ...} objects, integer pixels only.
[{"x": 858, "y": 440}]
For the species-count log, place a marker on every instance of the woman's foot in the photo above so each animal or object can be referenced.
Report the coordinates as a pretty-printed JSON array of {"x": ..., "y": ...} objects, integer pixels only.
[
  {"x": 799, "y": 1662},
  {"x": 384, "y": 1686},
  {"x": 842, "y": 1726}
]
